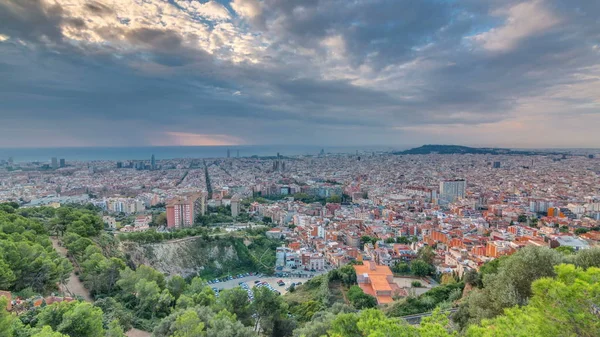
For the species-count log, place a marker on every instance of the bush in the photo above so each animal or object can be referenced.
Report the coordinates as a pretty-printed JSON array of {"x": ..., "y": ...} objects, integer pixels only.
[
  {"x": 416, "y": 284},
  {"x": 360, "y": 300}
]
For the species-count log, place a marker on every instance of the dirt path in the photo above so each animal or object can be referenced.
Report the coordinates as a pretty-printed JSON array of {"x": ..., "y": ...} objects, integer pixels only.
[
  {"x": 74, "y": 286},
  {"x": 137, "y": 333}
]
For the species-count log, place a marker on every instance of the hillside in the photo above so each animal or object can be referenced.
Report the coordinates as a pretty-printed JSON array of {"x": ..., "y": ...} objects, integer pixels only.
[
  {"x": 458, "y": 149},
  {"x": 204, "y": 256}
]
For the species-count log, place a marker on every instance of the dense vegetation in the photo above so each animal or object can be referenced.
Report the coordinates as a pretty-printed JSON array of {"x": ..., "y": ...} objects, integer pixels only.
[
  {"x": 27, "y": 259},
  {"x": 457, "y": 149},
  {"x": 534, "y": 292}
]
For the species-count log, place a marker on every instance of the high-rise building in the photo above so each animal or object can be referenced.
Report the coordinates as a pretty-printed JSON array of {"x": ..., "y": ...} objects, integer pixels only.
[
  {"x": 119, "y": 164},
  {"x": 496, "y": 164},
  {"x": 54, "y": 163},
  {"x": 238, "y": 153},
  {"x": 450, "y": 190},
  {"x": 590, "y": 156},
  {"x": 182, "y": 211},
  {"x": 62, "y": 162},
  {"x": 228, "y": 153},
  {"x": 10, "y": 160},
  {"x": 152, "y": 163},
  {"x": 235, "y": 206}
]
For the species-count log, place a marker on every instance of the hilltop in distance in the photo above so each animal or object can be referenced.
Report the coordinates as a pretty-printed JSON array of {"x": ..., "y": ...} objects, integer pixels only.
[{"x": 458, "y": 149}]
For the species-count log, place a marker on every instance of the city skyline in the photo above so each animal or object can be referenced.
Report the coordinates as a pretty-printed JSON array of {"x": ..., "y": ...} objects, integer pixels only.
[{"x": 515, "y": 74}]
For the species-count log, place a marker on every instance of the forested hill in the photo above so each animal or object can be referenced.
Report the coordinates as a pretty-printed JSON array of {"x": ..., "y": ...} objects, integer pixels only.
[
  {"x": 535, "y": 292},
  {"x": 458, "y": 149}
]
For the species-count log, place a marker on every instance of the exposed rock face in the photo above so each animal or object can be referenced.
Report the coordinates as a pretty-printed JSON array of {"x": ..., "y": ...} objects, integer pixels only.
[{"x": 186, "y": 257}]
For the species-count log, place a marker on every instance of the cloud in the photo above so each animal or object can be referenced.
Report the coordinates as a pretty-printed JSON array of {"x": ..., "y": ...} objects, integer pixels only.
[
  {"x": 193, "y": 139},
  {"x": 316, "y": 71},
  {"x": 210, "y": 10},
  {"x": 247, "y": 8},
  {"x": 523, "y": 20}
]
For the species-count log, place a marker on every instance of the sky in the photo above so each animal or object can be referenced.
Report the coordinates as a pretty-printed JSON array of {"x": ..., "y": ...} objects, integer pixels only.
[{"x": 508, "y": 73}]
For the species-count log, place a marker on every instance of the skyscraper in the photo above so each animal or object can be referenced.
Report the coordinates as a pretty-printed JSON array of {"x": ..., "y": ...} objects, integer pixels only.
[
  {"x": 238, "y": 153},
  {"x": 153, "y": 163},
  {"x": 450, "y": 190},
  {"x": 228, "y": 153},
  {"x": 496, "y": 164},
  {"x": 54, "y": 163},
  {"x": 62, "y": 162}
]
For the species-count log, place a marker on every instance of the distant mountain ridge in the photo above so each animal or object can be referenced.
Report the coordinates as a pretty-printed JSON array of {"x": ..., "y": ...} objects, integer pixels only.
[{"x": 458, "y": 149}]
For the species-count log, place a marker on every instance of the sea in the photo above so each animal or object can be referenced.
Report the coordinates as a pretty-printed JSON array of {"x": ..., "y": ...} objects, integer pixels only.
[{"x": 174, "y": 152}]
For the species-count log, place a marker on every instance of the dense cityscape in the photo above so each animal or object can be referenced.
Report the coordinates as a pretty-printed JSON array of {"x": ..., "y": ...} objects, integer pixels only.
[
  {"x": 299, "y": 168},
  {"x": 408, "y": 224}
]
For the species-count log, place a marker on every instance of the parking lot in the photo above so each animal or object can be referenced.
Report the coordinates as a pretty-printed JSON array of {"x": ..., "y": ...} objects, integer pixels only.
[{"x": 269, "y": 279}]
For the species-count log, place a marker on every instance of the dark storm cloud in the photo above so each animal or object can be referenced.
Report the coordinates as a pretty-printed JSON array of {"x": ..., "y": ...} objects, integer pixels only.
[
  {"x": 31, "y": 19},
  {"x": 291, "y": 67},
  {"x": 386, "y": 30},
  {"x": 98, "y": 8}
]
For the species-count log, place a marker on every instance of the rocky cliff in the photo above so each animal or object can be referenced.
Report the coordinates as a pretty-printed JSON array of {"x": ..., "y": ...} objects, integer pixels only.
[{"x": 192, "y": 256}]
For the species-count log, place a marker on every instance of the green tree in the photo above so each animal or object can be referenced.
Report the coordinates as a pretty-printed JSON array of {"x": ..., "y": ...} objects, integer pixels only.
[
  {"x": 224, "y": 324},
  {"x": 401, "y": 268},
  {"x": 317, "y": 327},
  {"x": 421, "y": 268},
  {"x": 165, "y": 302},
  {"x": 436, "y": 325},
  {"x": 563, "y": 306},
  {"x": 511, "y": 284},
  {"x": 167, "y": 326},
  {"x": 269, "y": 309},
  {"x": 427, "y": 254},
  {"x": 566, "y": 250},
  {"x": 176, "y": 286},
  {"x": 588, "y": 258},
  {"x": 114, "y": 330},
  {"x": 148, "y": 295},
  {"x": 189, "y": 325},
  {"x": 359, "y": 299},
  {"x": 403, "y": 240},
  {"x": 365, "y": 239},
  {"x": 184, "y": 302},
  {"x": 47, "y": 332},
  {"x": 75, "y": 319},
  {"x": 334, "y": 199},
  {"x": 345, "y": 325},
  {"x": 6, "y": 319},
  {"x": 7, "y": 277},
  {"x": 236, "y": 301},
  {"x": 161, "y": 219},
  {"x": 113, "y": 310},
  {"x": 129, "y": 278}
]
